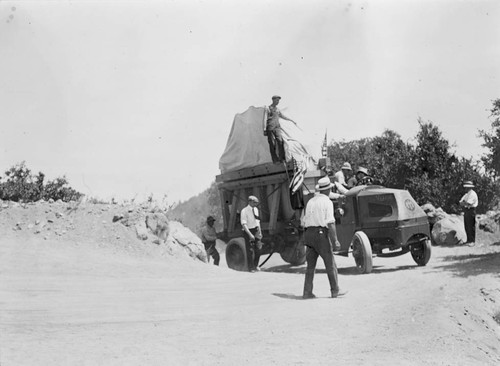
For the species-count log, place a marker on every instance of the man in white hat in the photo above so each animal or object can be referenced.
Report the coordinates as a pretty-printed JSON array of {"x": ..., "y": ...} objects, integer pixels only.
[
  {"x": 321, "y": 238},
  {"x": 273, "y": 130},
  {"x": 250, "y": 222},
  {"x": 343, "y": 174},
  {"x": 469, "y": 202}
]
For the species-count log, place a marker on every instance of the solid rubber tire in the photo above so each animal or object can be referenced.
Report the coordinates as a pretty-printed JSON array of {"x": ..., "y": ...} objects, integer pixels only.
[{"x": 362, "y": 252}]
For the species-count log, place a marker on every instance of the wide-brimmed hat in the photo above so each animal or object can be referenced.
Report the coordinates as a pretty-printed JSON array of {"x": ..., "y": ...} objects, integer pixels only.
[
  {"x": 324, "y": 184},
  {"x": 346, "y": 166},
  {"x": 253, "y": 199},
  {"x": 468, "y": 184},
  {"x": 210, "y": 219},
  {"x": 362, "y": 170},
  {"x": 276, "y": 97}
]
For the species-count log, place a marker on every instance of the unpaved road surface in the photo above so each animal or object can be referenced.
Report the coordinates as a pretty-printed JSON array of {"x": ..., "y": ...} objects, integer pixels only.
[{"x": 78, "y": 303}]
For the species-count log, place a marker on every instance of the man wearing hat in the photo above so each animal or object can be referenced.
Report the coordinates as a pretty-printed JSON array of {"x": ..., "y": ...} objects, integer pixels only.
[
  {"x": 343, "y": 174},
  {"x": 469, "y": 202},
  {"x": 208, "y": 238},
  {"x": 361, "y": 177},
  {"x": 273, "y": 130},
  {"x": 250, "y": 222},
  {"x": 321, "y": 238}
]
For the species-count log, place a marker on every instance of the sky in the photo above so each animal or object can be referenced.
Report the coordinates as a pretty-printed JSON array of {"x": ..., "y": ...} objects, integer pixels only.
[{"x": 132, "y": 98}]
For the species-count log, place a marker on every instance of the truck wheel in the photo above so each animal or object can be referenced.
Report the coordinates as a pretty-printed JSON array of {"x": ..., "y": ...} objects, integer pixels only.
[
  {"x": 294, "y": 254},
  {"x": 236, "y": 255},
  {"x": 362, "y": 252},
  {"x": 421, "y": 252}
]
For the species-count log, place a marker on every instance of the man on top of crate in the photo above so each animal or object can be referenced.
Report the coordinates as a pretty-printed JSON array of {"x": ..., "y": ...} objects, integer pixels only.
[
  {"x": 250, "y": 222},
  {"x": 273, "y": 130}
]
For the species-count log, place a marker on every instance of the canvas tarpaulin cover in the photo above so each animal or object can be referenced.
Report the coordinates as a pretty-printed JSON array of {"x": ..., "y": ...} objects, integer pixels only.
[{"x": 247, "y": 146}]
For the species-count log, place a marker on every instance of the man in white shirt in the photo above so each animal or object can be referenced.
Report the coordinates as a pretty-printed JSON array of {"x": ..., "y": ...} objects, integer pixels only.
[
  {"x": 319, "y": 237},
  {"x": 343, "y": 174},
  {"x": 250, "y": 222},
  {"x": 469, "y": 202}
]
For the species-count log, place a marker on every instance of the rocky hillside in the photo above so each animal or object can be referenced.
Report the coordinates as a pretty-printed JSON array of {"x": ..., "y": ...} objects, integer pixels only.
[{"x": 141, "y": 229}]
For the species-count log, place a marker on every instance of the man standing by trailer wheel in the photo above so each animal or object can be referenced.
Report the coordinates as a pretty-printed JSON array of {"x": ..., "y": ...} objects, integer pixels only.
[
  {"x": 321, "y": 238},
  {"x": 250, "y": 222}
]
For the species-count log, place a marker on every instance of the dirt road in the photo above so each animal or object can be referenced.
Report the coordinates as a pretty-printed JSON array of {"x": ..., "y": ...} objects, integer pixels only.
[{"x": 78, "y": 303}]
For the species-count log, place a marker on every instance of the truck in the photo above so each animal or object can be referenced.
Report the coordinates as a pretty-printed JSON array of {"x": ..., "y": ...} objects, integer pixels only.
[{"x": 371, "y": 220}]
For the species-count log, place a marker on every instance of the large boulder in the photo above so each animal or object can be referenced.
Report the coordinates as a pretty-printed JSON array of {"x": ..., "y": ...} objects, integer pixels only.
[
  {"x": 433, "y": 214},
  {"x": 157, "y": 222},
  {"x": 152, "y": 224},
  {"x": 489, "y": 222},
  {"x": 182, "y": 242},
  {"x": 449, "y": 231}
]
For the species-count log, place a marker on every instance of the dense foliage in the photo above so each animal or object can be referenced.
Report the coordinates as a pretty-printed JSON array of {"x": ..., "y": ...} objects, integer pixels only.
[
  {"x": 20, "y": 185},
  {"x": 429, "y": 170},
  {"x": 491, "y": 138}
]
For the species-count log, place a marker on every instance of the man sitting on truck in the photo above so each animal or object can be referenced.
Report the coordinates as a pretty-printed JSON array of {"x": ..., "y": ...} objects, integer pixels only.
[
  {"x": 273, "y": 131},
  {"x": 250, "y": 222}
]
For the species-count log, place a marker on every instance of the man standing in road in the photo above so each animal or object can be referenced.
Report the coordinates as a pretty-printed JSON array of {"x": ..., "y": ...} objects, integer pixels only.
[
  {"x": 273, "y": 131},
  {"x": 469, "y": 202},
  {"x": 250, "y": 222},
  {"x": 320, "y": 235},
  {"x": 208, "y": 238}
]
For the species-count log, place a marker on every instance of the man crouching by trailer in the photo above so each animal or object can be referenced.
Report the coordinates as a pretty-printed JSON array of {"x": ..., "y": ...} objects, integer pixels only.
[
  {"x": 250, "y": 222},
  {"x": 320, "y": 235}
]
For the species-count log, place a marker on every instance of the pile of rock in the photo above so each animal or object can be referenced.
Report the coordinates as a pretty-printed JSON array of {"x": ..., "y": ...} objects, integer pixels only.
[
  {"x": 446, "y": 229},
  {"x": 153, "y": 224},
  {"x": 489, "y": 222}
]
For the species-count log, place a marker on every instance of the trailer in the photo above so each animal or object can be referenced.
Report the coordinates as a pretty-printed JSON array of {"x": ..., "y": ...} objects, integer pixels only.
[{"x": 279, "y": 220}]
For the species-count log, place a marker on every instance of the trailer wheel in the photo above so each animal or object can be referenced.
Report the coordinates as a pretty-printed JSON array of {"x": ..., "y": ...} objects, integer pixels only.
[
  {"x": 294, "y": 254},
  {"x": 421, "y": 252},
  {"x": 362, "y": 252},
  {"x": 236, "y": 255}
]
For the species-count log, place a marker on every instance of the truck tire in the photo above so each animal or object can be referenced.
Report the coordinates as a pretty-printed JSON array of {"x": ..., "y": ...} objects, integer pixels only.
[
  {"x": 362, "y": 252},
  {"x": 421, "y": 252},
  {"x": 236, "y": 254},
  {"x": 294, "y": 254}
]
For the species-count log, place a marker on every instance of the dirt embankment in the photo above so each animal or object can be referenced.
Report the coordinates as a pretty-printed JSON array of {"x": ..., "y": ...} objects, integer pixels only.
[{"x": 80, "y": 289}]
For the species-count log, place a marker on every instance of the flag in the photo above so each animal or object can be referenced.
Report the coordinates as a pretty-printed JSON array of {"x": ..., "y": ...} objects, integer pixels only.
[
  {"x": 300, "y": 169},
  {"x": 324, "y": 147}
]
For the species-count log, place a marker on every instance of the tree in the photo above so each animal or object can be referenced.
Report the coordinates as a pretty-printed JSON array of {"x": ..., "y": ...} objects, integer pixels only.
[
  {"x": 491, "y": 138},
  {"x": 21, "y": 185}
]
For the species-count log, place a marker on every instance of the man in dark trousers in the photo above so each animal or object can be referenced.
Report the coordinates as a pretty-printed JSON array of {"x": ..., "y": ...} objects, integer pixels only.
[
  {"x": 250, "y": 222},
  {"x": 321, "y": 238},
  {"x": 273, "y": 131},
  {"x": 469, "y": 202},
  {"x": 208, "y": 238}
]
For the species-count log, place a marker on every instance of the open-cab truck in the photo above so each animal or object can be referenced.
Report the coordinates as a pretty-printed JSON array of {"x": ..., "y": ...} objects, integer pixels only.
[{"x": 370, "y": 220}]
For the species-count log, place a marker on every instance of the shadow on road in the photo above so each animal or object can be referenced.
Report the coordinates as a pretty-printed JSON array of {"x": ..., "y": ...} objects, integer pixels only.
[
  {"x": 346, "y": 271},
  {"x": 289, "y": 296},
  {"x": 466, "y": 265}
]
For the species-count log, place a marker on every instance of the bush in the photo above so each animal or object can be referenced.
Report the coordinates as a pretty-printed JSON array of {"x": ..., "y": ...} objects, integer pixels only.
[
  {"x": 20, "y": 185},
  {"x": 428, "y": 170}
]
